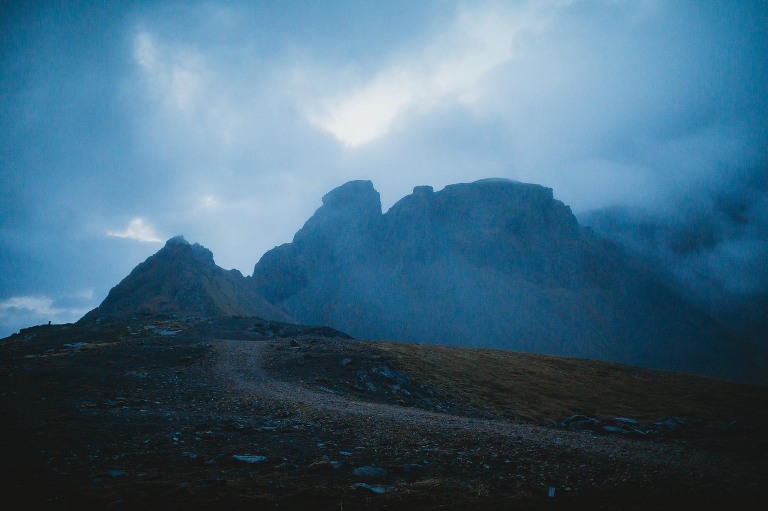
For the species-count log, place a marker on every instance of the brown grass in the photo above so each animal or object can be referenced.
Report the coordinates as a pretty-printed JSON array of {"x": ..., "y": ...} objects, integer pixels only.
[{"x": 546, "y": 388}]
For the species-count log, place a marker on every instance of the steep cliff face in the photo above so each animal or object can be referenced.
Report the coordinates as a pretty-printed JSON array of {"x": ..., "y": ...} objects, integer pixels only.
[
  {"x": 183, "y": 279},
  {"x": 493, "y": 263},
  {"x": 341, "y": 234}
]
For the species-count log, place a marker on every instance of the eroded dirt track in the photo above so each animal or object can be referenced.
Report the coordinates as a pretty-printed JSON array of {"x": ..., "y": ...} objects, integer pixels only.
[{"x": 535, "y": 458}]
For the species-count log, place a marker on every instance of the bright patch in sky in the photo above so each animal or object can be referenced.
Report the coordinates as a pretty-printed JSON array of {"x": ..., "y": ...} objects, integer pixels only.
[
  {"x": 191, "y": 89},
  {"x": 449, "y": 70},
  {"x": 177, "y": 78},
  {"x": 37, "y": 309},
  {"x": 138, "y": 229},
  {"x": 36, "y": 304}
]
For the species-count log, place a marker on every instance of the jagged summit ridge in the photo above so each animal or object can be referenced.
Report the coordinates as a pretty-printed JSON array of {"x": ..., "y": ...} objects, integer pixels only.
[
  {"x": 182, "y": 278},
  {"x": 356, "y": 194},
  {"x": 494, "y": 263},
  {"x": 176, "y": 240}
]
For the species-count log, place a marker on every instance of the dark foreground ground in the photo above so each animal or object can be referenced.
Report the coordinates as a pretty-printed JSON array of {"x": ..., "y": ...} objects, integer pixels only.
[{"x": 243, "y": 414}]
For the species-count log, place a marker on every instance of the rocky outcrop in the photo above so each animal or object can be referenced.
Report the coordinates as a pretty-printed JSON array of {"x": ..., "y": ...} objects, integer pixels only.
[
  {"x": 494, "y": 263},
  {"x": 183, "y": 279},
  {"x": 339, "y": 235}
]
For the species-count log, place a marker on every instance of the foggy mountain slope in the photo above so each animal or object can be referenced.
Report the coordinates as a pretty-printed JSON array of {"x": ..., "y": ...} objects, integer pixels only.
[
  {"x": 183, "y": 279},
  {"x": 716, "y": 256},
  {"x": 493, "y": 263}
]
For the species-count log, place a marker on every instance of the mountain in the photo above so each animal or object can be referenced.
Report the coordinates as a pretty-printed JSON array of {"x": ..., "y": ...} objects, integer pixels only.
[
  {"x": 494, "y": 263},
  {"x": 716, "y": 260},
  {"x": 183, "y": 279}
]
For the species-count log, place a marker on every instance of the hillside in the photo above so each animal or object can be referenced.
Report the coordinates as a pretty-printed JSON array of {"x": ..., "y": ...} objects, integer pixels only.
[{"x": 242, "y": 412}]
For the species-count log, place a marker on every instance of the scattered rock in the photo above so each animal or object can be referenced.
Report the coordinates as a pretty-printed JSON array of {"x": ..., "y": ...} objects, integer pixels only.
[
  {"x": 671, "y": 423},
  {"x": 374, "y": 489},
  {"x": 580, "y": 423},
  {"x": 368, "y": 471},
  {"x": 630, "y": 426},
  {"x": 319, "y": 465},
  {"x": 250, "y": 458}
]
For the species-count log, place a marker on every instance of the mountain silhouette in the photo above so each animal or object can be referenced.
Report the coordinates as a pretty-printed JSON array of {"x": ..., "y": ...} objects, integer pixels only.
[
  {"x": 183, "y": 279},
  {"x": 494, "y": 263}
]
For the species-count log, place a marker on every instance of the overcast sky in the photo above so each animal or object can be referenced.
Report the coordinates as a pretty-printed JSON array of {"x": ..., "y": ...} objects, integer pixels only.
[{"x": 123, "y": 124}]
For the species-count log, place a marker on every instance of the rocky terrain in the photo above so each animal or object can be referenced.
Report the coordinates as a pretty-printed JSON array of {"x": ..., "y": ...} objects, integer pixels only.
[
  {"x": 493, "y": 263},
  {"x": 182, "y": 278},
  {"x": 172, "y": 412}
]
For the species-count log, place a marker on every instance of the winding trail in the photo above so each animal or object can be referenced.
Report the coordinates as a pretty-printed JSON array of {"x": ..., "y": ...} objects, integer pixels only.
[{"x": 242, "y": 366}]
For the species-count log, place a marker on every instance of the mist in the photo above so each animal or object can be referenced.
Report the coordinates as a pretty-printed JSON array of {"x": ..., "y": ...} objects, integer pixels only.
[{"x": 124, "y": 125}]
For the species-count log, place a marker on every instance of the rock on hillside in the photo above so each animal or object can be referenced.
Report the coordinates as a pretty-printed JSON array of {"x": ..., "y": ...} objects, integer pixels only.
[
  {"x": 493, "y": 263},
  {"x": 183, "y": 279}
]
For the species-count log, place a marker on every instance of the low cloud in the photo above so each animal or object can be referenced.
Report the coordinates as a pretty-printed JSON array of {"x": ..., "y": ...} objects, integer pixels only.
[
  {"x": 22, "y": 311},
  {"x": 194, "y": 93},
  {"x": 138, "y": 229},
  {"x": 447, "y": 71}
]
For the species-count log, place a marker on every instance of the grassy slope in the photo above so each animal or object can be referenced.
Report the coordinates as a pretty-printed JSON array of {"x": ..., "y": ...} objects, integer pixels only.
[{"x": 547, "y": 388}]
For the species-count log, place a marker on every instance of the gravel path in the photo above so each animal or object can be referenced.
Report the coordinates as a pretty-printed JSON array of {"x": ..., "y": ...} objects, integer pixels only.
[{"x": 543, "y": 454}]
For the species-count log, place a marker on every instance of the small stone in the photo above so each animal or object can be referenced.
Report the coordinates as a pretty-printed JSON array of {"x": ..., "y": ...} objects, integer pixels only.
[
  {"x": 319, "y": 465},
  {"x": 374, "y": 489},
  {"x": 367, "y": 471},
  {"x": 250, "y": 458}
]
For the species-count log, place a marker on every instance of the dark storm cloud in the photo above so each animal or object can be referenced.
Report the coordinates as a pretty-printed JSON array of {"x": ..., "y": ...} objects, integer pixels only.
[{"x": 227, "y": 122}]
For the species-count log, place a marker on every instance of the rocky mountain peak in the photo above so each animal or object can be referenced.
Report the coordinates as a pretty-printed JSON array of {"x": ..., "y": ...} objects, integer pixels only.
[
  {"x": 182, "y": 278},
  {"x": 179, "y": 247},
  {"x": 494, "y": 263},
  {"x": 349, "y": 214},
  {"x": 423, "y": 190},
  {"x": 176, "y": 240},
  {"x": 356, "y": 195},
  {"x": 518, "y": 209}
]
